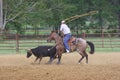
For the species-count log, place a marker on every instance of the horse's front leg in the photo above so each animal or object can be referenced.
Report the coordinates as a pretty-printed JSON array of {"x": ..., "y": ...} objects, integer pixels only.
[
  {"x": 59, "y": 58},
  {"x": 86, "y": 57}
]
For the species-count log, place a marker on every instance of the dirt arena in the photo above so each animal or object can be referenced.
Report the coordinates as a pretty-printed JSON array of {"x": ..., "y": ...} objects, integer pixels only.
[{"x": 102, "y": 66}]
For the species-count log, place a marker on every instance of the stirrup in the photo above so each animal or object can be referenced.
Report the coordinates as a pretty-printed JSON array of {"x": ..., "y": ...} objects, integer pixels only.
[{"x": 67, "y": 51}]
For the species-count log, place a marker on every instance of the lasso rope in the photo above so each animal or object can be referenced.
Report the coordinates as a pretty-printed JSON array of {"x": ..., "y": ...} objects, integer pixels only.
[{"x": 78, "y": 16}]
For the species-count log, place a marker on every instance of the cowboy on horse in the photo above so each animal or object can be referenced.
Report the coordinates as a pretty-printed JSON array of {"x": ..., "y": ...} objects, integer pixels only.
[{"x": 67, "y": 35}]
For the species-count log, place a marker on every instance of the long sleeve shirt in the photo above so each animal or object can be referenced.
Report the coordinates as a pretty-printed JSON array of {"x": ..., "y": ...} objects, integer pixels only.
[{"x": 65, "y": 29}]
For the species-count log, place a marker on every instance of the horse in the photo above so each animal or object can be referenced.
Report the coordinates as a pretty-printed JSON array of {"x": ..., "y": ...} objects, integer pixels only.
[{"x": 80, "y": 45}]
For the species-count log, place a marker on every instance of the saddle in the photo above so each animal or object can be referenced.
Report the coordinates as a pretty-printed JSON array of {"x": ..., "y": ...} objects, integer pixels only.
[
  {"x": 72, "y": 40},
  {"x": 72, "y": 44}
]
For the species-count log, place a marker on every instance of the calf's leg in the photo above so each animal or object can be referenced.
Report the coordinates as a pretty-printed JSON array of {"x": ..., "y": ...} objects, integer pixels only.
[
  {"x": 36, "y": 59},
  {"x": 51, "y": 60},
  {"x": 40, "y": 60}
]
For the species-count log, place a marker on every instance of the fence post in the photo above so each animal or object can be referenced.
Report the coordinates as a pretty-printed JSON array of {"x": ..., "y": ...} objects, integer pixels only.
[
  {"x": 17, "y": 43},
  {"x": 83, "y": 35},
  {"x": 102, "y": 39}
]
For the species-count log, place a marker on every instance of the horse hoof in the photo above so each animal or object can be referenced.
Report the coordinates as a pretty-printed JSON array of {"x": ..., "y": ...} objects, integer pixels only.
[
  {"x": 80, "y": 63},
  {"x": 86, "y": 63},
  {"x": 48, "y": 63},
  {"x": 58, "y": 63},
  {"x": 33, "y": 63}
]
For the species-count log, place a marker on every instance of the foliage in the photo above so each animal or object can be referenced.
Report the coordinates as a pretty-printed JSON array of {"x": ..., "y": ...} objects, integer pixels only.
[{"x": 49, "y": 13}]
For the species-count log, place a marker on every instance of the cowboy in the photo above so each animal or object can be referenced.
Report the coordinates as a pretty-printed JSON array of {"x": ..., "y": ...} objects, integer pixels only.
[{"x": 67, "y": 35}]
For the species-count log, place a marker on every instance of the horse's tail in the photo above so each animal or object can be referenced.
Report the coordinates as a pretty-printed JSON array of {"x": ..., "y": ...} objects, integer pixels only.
[{"x": 91, "y": 47}]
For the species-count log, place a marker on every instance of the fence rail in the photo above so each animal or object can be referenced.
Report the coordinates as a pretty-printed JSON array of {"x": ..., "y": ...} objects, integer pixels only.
[{"x": 14, "y": 43}]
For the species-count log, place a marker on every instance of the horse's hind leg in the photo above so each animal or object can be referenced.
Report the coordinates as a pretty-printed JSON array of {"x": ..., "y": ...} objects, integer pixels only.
[
  {"x": 86, "y": 56},
  {"x": 80, "y": 59},
  {"x": 83, "y": 54}
]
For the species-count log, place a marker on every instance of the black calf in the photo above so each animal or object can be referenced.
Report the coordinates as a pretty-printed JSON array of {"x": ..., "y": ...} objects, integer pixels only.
[{"x": 42, "y": 51}]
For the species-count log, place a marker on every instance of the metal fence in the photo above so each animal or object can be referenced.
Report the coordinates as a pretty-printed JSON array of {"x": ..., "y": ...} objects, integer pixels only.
[{"x": 16, "y": 43}]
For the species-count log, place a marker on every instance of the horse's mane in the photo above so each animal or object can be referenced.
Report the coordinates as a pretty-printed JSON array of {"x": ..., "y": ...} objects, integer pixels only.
[{"x": 58, "y": 39}]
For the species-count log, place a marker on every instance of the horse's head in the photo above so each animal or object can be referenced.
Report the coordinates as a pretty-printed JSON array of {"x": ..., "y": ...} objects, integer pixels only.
[
  {"x": 52, "y": 36},
  {"x": 29, "y": 53}
]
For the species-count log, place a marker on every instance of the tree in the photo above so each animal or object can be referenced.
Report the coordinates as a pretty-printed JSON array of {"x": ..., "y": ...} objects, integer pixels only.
[
  {"x": 116, "y": 5},
  {"x": 14, "y": 11},
  {"x": 50, "y": 13}
]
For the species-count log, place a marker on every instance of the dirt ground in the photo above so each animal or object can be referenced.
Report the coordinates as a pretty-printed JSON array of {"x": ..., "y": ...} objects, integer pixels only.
[{"x": 102, "y": 66}]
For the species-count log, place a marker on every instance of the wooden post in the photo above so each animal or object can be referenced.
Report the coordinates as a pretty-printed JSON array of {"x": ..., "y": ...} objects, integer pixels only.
[
  {"x": 17, "y": 43},
  {"x": 84, "y": 35},
  {"x": 102, "y": 38}
]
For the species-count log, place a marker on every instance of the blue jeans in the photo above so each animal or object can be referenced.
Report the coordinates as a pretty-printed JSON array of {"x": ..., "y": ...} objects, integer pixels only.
[{"x": 65, "y": 41}]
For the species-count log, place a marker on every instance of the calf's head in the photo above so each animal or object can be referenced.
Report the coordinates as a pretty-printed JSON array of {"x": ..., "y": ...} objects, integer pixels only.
[{"x": 29, "y": 53}]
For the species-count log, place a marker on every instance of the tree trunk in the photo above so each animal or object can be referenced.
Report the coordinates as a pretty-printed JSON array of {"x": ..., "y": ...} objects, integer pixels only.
[
  {"x": 119, "y": 22},
  {"x": 1, "y": 14}
]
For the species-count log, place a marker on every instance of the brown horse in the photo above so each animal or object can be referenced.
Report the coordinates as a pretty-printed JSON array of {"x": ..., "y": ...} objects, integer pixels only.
[{"x": 80, "y": 46}]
